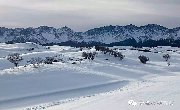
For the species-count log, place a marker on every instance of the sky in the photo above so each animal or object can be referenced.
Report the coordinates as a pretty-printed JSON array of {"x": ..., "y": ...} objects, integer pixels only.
[{"x": 82, "y": 15}]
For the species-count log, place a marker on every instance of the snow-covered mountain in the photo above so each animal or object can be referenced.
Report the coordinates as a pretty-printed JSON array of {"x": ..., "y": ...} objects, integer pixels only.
[{"x": 105, "y": 35}]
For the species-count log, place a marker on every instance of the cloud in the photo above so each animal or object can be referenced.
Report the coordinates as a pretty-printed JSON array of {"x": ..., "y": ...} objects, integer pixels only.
[
  {"x": 85, "y": 14},
  {"x": 170, "y": 2}
]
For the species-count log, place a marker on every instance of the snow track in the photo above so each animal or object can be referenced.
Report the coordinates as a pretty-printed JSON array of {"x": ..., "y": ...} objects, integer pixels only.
[{"x": 56, "y": 95}]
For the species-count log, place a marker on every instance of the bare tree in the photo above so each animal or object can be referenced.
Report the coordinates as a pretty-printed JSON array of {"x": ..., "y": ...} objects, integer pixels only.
[
  {"x": 14, "y": 58},
  {"x": 167, "y": 58}
]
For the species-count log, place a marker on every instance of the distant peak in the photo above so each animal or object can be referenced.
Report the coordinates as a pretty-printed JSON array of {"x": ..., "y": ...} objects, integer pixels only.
[
  {"x": 132, "y": 25},
  {"x": 154, "y": 25},
  {"x": 65, "y": 28}
]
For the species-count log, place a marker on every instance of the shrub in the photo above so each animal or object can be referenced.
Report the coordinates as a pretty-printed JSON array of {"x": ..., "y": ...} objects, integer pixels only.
[
  {"x": 144, "y": 50},
  {"x": 89, "y": 56},
  {"x": 85, "y": 55},
  {"x": 30, "y": 49},
  {"x": 110, "y": 51},
  {"x": 74, "y": 63},
  {"x": 166, "y": 57},
  {"x": 9, "y": 42},
  {"x": 49, "y": 60},
  {"x": 14, "y": 58},
  {"x": 36, "y": 61},
  {"x": 119, "y": 55},
  {"x": 81, "y": 48},
  {"x": 143, "y": 59},
  {"x": 80, "y": 60}
]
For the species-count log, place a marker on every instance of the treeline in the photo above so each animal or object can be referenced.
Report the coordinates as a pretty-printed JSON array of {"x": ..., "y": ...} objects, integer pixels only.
[{"x": 127, "y": 42}]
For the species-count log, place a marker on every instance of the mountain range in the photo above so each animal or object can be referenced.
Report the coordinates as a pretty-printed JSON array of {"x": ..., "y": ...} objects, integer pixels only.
[{"x": 129, "y": 35}]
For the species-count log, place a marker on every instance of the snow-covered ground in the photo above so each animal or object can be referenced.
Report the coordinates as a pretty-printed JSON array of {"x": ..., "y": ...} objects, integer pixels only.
[{"x": 106, "y": 83}]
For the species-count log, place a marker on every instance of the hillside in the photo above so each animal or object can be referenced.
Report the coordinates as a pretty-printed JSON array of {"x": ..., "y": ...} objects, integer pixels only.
[
  {"x": 71, "y": 83},
  {"x": 129, "y": 35}
]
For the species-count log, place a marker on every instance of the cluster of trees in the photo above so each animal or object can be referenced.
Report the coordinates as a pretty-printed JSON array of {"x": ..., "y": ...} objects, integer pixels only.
[
  {"x": 110, "y": 51},
  {"x": 89, "y": 55}
]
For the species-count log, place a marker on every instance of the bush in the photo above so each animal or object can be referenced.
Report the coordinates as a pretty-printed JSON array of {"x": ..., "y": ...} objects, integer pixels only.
[
  {"x": 9, "y": 42},
  {"x": 49, "y": 60},
  {"x": 30, "y": 49},
  {"x": 74, "y": 63},
  {"x": 110, "y": 51},
  {"x": 143, "y": 59},
  {"x": 85, "y": 55},
  {"x": 89, "y": 56},
  {"x": 166, "y": 57},
  {"x": 14, "y": 58},
  {"x": 36, "y": 61},
  {"x": 144, "y": 50},
  {"x": 119, "y": 55}
]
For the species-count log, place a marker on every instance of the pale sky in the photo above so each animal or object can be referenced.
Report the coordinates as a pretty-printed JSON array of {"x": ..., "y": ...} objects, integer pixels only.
[{"x": 81, "y": 15}]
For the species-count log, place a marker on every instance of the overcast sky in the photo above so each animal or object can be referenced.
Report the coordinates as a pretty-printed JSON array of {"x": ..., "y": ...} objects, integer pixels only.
[{"x": 81, "y": 15}]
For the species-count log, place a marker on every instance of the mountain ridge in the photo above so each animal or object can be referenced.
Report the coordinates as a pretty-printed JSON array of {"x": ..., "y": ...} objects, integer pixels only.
[{"x": 108, "y": 35}]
